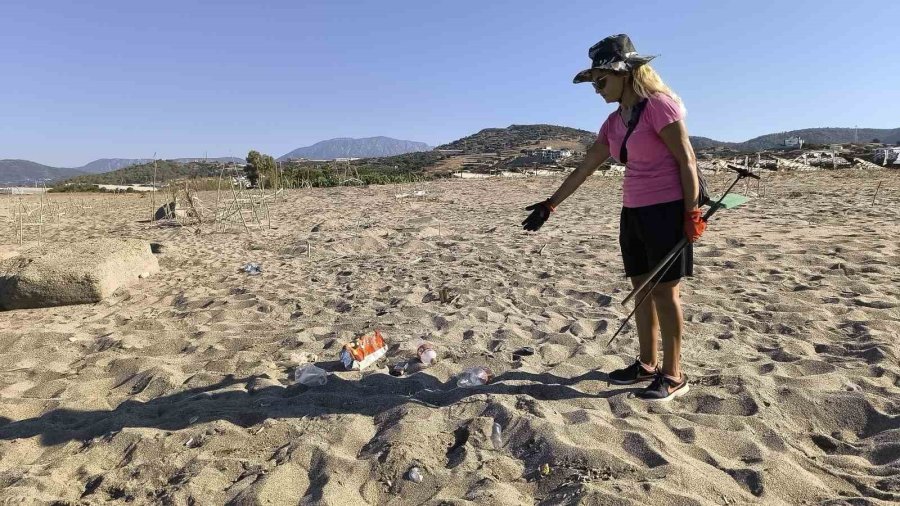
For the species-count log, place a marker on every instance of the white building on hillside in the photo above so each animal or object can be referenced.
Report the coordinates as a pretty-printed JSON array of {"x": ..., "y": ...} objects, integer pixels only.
[
  {"x": 549, "y": 154},
  {"x": 887, "y": 156},
  {"x": 794, "y": 142}
]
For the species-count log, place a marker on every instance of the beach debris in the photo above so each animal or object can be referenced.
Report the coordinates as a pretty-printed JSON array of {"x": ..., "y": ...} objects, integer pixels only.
[
  {"x": 545, "y": 469},
  {"x": 194, "y": 442},
  {"x": 426, "y": 352},
  {"x": 474, "y": 376},
  {"x": 363, "y": 351},
  {"x": 525, "y": 351},
  {"x": 497, "y": 436},
  {"x": 165, "y": 211},
  {"x": 252, "y": 269},
  {"x": 415, "y": 474},
  {"x": 310, "y": 375},
  {"x": 399, "y": 369}
]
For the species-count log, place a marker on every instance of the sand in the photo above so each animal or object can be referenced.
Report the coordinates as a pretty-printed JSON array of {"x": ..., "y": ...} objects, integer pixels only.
[{"x": 179, "y": 390}]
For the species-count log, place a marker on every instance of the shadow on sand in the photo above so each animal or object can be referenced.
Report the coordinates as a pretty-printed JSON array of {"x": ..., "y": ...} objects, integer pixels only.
[{"x": 245, "y": 407}]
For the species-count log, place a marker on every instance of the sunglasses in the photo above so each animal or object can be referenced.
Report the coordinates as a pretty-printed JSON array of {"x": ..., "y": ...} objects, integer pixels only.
[{"x": 600, "y": 82}]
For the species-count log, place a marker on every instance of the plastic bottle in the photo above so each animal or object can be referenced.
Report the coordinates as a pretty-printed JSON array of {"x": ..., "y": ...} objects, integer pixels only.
[
  {"x": 474, "y": 376},
  {"x": 310, "y": 375},
  {"x": 426, "y": 352},
  {"x": 497, "y": 436}
]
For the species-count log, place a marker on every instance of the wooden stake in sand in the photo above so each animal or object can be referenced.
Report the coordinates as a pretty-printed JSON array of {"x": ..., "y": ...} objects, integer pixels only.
[
  {"x": 152, "y": 193},
  {"x": 876, "y": 193},
  {"x": 218, "y": 192},
  {"x": 190, "y": 200}
]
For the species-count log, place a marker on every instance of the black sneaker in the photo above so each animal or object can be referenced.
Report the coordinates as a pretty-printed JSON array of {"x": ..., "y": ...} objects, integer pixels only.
[
  {"x": 634, "y": 373},
  {"x": 664, "y": 388}
]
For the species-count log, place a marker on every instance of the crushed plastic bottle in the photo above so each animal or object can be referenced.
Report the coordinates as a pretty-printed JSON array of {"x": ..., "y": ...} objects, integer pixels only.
[
  {"x": 252, "y": 268},
  {"x": 310, "y": 375},
  {"x": 415, "y": 474},
  {"x": 474, "y": 376},
  {"x": 497, "y": 436},
  {"x": 426, "y": 352}
]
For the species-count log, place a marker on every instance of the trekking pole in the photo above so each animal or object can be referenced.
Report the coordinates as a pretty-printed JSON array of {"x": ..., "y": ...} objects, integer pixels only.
[{"x": 663, "y": 266}]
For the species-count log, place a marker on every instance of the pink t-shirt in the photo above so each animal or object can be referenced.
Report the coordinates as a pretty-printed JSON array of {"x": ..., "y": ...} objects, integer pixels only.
[{"x": 652, "y": 175}]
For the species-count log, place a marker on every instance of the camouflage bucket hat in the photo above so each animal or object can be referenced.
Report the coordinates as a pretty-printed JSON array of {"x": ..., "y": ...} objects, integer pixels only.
[{"x": 615, "y": 53}]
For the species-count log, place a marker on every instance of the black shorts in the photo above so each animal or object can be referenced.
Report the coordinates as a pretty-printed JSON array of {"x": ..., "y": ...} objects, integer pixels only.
[{"x": 647, "y": 234}]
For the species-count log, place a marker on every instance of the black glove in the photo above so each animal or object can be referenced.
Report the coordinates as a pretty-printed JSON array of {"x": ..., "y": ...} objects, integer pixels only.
[{"x": 539, "y": 214}]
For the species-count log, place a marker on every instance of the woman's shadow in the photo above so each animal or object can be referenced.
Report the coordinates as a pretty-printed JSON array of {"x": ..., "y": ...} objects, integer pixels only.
[{"x": 225, "y": 400}]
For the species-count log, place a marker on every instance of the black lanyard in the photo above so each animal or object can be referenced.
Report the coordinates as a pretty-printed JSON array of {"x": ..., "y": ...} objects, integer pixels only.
[{"x": 635, "y": 117}]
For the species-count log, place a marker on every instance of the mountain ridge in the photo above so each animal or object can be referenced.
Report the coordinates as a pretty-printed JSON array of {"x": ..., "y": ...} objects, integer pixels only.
[
  {"x": 349, "y": 147},
  {"x": 16, "y": 172}
]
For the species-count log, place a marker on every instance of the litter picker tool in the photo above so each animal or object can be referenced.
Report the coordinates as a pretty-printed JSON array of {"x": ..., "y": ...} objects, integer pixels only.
[{"x": 726, "y": 201}]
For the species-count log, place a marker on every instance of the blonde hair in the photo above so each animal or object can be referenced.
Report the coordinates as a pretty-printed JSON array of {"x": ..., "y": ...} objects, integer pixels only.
[{"x": 646, "y": 82}]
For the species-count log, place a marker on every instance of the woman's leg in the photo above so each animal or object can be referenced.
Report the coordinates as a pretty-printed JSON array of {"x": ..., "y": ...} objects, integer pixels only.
[
  {"x": 667, "y": 302},
  {"x": 647, "y": 325}
]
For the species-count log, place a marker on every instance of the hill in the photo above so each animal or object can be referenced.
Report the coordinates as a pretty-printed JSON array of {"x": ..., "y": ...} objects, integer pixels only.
[
  {"x": 706, "y": 143},
  {"x": 515, "y": 137},
  {"x": 103, "y": 165},
  {"x": 492, "y": 140},
  {"x": 110, "y": 164},
  {"x": 823, "y": 136},
  {"x": 143, "y": 173},
  {"x": 26, "y": 173},
  {"x": 346, "y": 147},
  {"x": 222, "y": 159},
  {"x": 809, "y": 136}
]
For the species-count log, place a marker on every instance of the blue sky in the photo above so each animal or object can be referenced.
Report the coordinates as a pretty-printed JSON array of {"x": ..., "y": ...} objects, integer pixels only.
[{"x": 85, "y": 80}]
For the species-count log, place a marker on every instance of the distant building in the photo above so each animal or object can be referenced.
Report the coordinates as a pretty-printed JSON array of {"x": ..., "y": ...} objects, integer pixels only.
[
  {"x": 22, "y": 190},
  {"x": 885, "y": 156},
  {"x": 794, "y": 142},
  {"x": 549, "y": 154}
]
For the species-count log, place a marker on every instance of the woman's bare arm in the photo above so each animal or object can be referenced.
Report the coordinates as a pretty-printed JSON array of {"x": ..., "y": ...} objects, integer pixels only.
[
  {"x": 595, "y": 156},
  {"x": 675, "y": 136}
]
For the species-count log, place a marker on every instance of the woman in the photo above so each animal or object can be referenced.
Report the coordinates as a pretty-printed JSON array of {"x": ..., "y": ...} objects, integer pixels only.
[{"x": 660, "y": 193}]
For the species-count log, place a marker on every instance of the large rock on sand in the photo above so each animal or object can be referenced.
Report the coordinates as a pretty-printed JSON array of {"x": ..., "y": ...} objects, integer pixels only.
[{"x": 73, "y": 273}]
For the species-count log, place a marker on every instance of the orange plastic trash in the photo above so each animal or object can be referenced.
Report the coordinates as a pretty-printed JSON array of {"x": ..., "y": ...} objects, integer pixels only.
[{"x": 363, "y": 351}]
